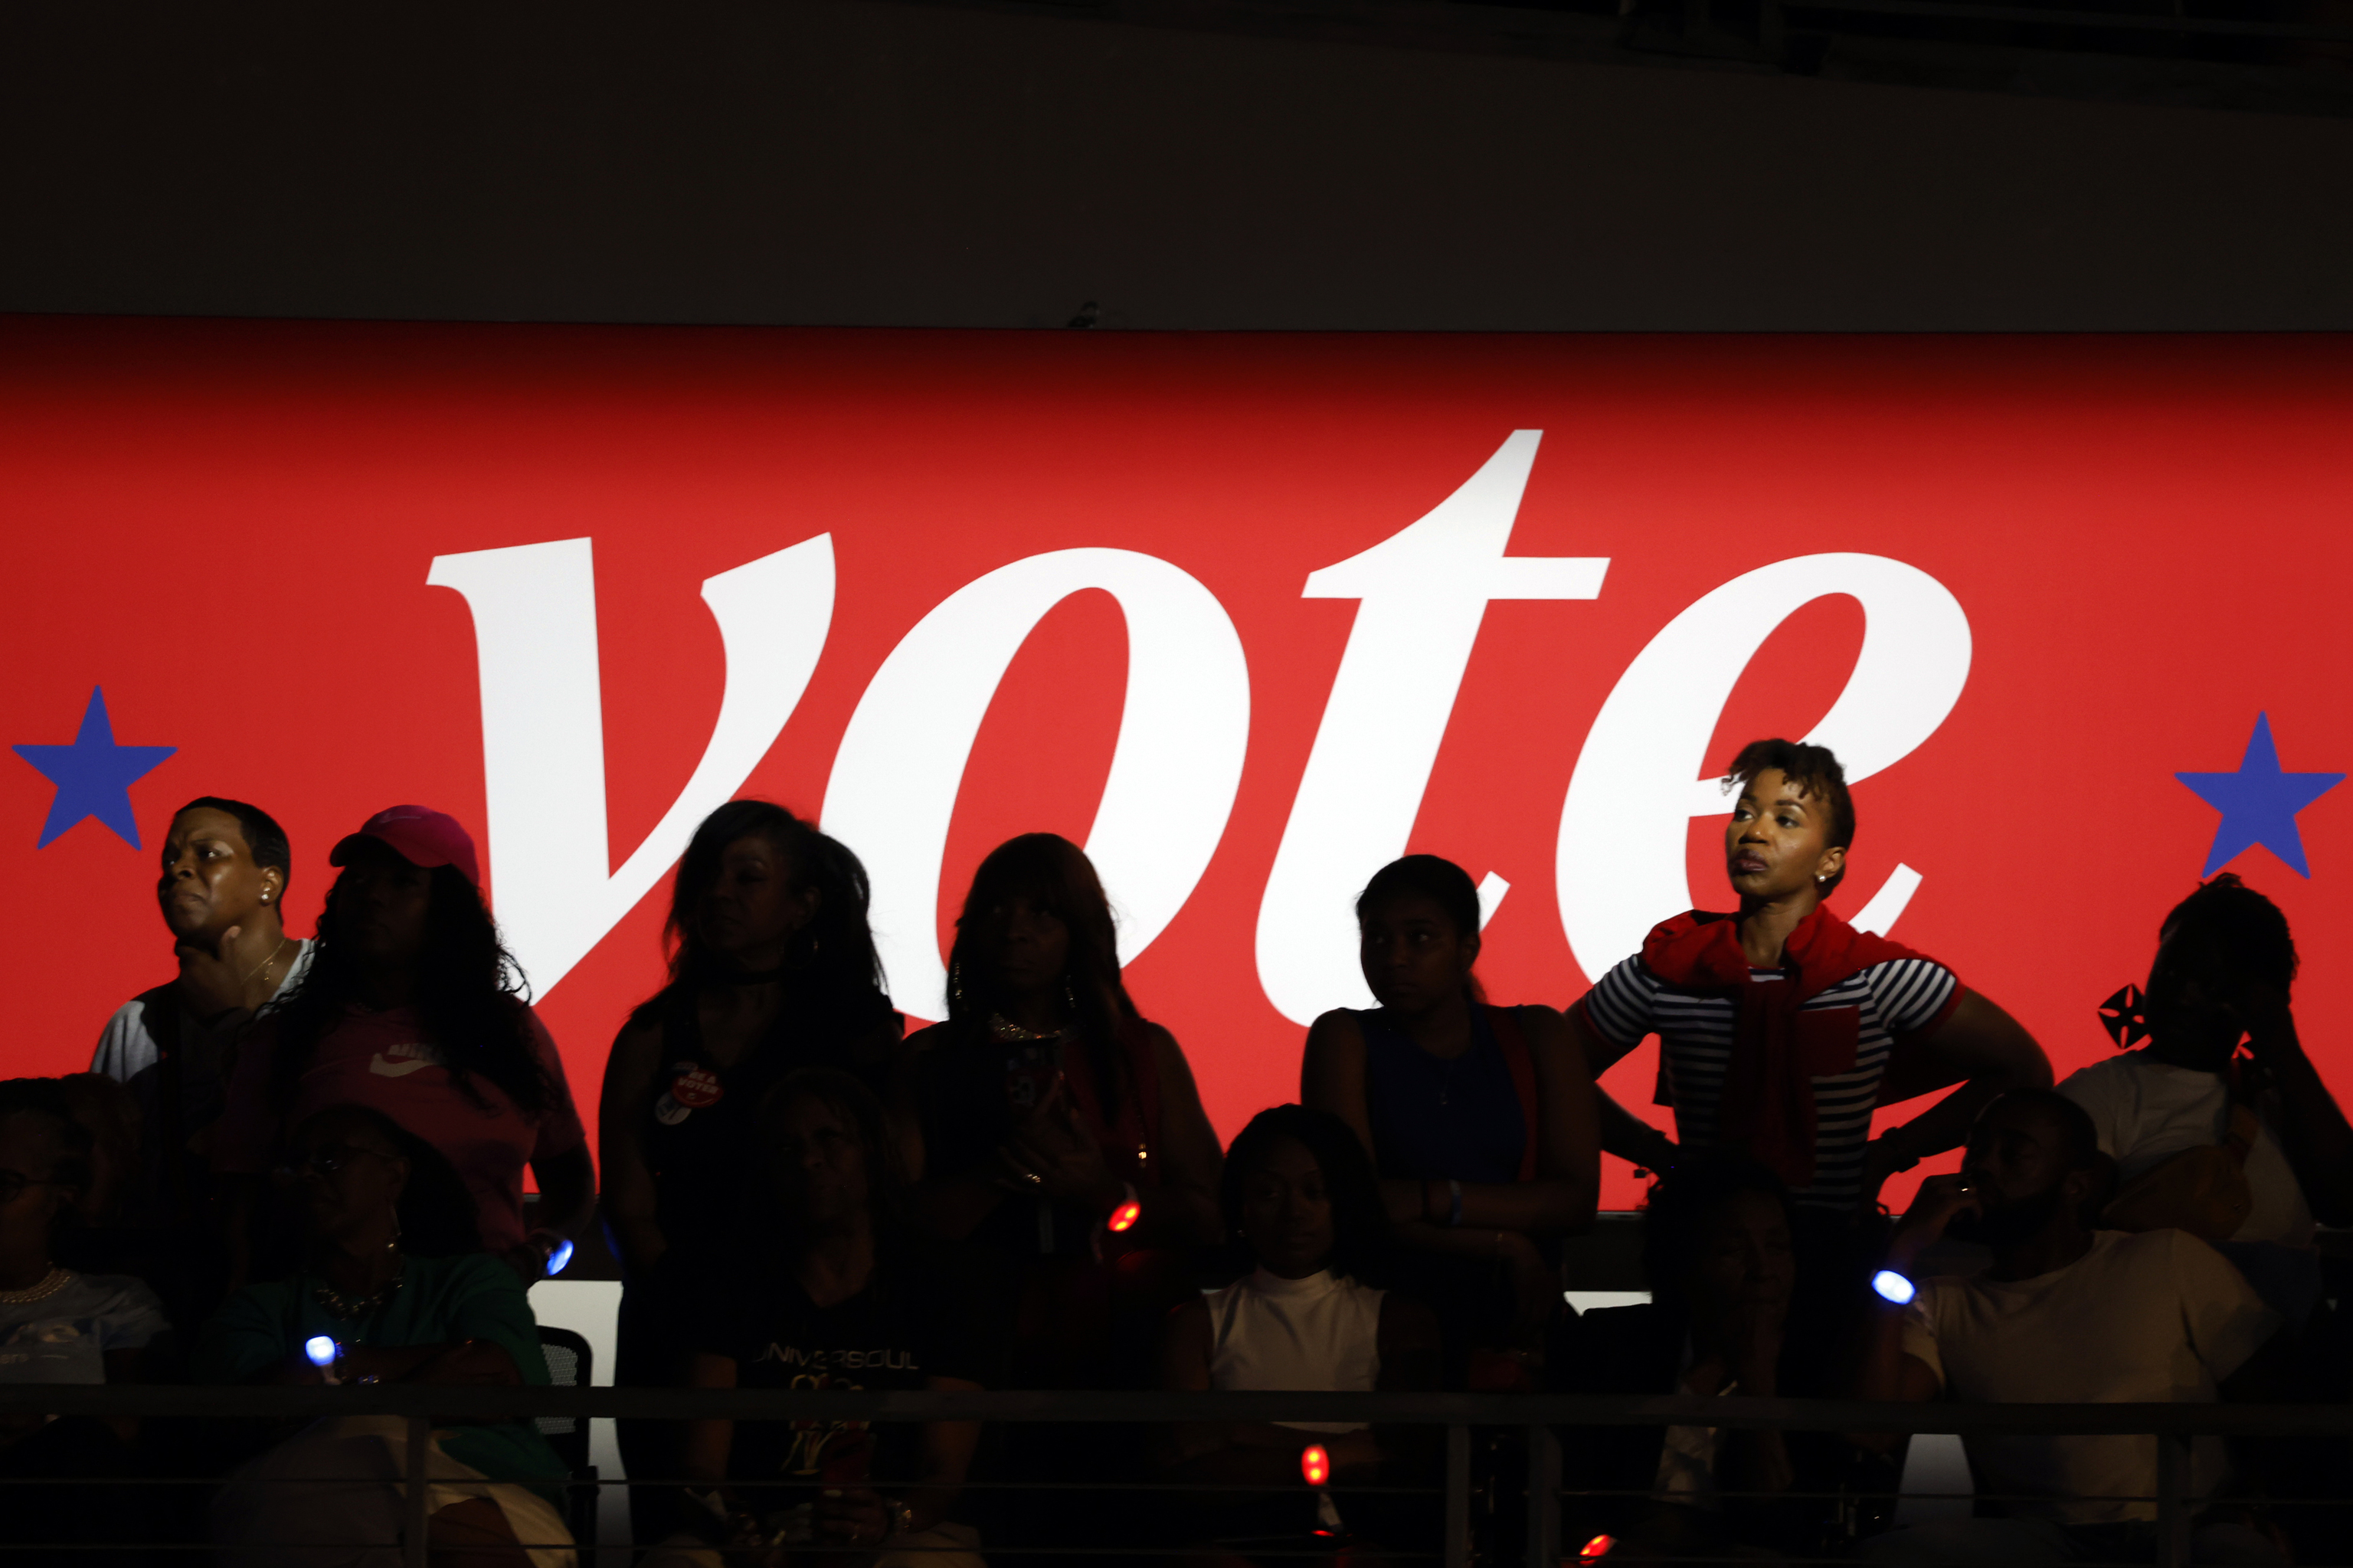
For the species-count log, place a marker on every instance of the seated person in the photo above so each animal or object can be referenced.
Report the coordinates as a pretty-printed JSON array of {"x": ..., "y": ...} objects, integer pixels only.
[
  {"x": 1301, "y": 1202},
  {"x": 1717, "y": 1251},
  {"x": 2223, "y": 968},
  {"x": 394, "y": 1276},
  {"x": 830, "y": 1294},
  {"x": 58, "y": 1326},
  {"x": 2064, "y": 1314}
]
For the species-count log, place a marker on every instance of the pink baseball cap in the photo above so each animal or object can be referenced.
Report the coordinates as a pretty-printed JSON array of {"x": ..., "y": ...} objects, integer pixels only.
[{"x": 417, "y": 834}]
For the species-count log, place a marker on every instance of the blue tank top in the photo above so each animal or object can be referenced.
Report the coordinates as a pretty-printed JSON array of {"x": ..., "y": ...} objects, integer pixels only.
[{"x": 1434, "y": 1120}]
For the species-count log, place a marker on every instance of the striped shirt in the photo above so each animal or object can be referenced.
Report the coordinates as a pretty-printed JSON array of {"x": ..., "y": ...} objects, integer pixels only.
[{"x": 1694, "y": 1032}]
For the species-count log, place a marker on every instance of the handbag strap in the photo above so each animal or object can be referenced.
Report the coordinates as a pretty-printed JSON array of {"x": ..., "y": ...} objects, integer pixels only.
[{"x": 1505, "y": 1022}]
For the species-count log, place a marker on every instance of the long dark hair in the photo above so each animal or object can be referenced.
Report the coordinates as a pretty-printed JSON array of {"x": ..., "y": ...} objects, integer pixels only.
[
  {"x": 1055, "y": 874},
  {"x": 835, "y": 949},
  {"x": 469, "y": 993},
  {"x": 1360, "y": 1224},
  {"x": 438, "y": 1214}
]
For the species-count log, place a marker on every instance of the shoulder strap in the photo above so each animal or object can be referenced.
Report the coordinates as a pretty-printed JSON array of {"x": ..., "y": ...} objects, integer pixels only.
[{"x": 1505, "y": 1022}]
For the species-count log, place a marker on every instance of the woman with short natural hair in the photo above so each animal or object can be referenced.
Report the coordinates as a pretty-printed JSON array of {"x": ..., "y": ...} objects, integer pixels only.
[{"x": 1781, "y": 1027}]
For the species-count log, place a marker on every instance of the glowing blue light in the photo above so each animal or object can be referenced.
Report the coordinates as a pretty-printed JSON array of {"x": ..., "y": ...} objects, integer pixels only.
[
  {"x": 1894, "y": 1286},
  {"x": 560, "y": 1259},
  {"x": 320, "y": 1351}
]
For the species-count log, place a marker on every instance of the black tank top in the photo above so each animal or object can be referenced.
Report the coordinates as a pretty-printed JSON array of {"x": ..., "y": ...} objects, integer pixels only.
[{"x": 701, "y": 1134}]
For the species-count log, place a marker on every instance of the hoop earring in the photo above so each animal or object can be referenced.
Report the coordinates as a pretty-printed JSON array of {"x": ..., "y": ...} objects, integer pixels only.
[
  {"x": 955, "y": 983},
  {"x": 1069, "y": 998}
]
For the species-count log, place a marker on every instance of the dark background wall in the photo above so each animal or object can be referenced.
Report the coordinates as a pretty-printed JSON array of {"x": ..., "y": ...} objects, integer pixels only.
[{"x": 873, "y": 162}]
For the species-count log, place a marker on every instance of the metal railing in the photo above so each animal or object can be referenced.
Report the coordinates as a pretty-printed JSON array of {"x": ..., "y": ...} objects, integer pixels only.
[{"x": 1536, "y": 1415}]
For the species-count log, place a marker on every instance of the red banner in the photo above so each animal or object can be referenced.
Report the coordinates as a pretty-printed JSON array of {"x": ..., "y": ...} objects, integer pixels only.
[{"x": 1248, "y": 616}]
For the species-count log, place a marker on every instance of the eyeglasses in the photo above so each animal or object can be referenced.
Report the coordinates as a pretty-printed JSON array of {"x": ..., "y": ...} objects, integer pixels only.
[
  {"x": 13, "y": 1182},
  {"x": 328, "y": 1162}
]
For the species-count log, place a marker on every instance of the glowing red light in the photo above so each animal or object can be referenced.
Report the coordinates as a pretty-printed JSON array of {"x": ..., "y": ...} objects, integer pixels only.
[
  {"x": 1315, "y": 1465},
  {"x": 1595, "y": 1549},
  {"x": 1124, "y": 1218}
]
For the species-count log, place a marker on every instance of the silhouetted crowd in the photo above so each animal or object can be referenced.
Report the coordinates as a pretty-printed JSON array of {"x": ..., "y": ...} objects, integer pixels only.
[{"x": 303, "y": 1161}]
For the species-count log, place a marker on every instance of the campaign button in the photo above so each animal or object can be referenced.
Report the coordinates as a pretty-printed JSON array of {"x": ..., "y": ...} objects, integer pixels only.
[{"x": 696, "y": 1088}]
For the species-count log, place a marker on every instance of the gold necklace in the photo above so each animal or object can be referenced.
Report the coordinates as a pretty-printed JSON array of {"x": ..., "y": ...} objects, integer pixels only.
[
  {"x": 1003, "y": 1029},
  {"x": 57, "y": 1279},
  {"x": 347, "y": 1308},
  {"x": 264, "y": 964}
]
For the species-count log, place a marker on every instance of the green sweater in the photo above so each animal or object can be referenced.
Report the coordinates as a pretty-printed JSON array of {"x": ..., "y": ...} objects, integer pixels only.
[{"x": 440, "y": 1300}]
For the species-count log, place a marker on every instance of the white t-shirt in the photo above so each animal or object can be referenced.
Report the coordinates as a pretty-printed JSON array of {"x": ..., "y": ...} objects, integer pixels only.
[
  {"x": 2149, "y": 1111},
  {"x": 1320, "y": 1334},
  {"x": 2156, "y": 1317},
  {"x": 64, "y": 1336}
]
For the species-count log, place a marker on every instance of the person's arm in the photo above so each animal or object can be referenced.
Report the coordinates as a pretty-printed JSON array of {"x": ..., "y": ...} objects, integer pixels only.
[
  {"x": 1622, "y": 1133},
  {"x": 1885, "y": 1371},
  {"x": 462, "y": 1363},
  {"x": 711, "y": 1508},
  {"x": 2313, "y": 1131},
  {"x": 1331, "y": 1078},
  {"x": 1978, "y": 1046},
  {"x": 860, "y": 1517},
  {"x": 1569, "y": 1159},
  {"x": 559, "y": 1160},
  {"x": 629, "y": 1197},
  {"x": 567, "y": 1194},
  {"x": 1183, "y": 1211},
  {"x": 1560, "y": 1200}
]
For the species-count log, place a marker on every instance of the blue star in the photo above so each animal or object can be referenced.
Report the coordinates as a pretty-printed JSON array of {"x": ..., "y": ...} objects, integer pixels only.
[
  {"x": 93, "y": 775},
  {"x": 2259, "y": 803}
]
